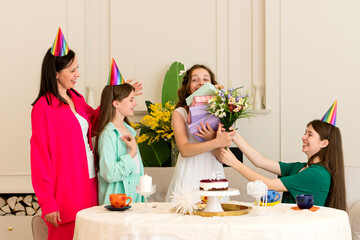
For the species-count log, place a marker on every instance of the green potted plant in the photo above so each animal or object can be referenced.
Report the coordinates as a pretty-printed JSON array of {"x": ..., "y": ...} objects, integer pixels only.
[{"x": 156, "y": 141}]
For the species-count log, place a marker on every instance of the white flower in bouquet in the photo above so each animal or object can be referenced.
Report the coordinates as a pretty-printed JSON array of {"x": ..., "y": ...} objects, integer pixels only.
[{"x": 232, "y": 100}]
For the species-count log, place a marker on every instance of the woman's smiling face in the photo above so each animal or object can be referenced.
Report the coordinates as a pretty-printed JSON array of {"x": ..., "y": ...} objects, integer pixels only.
[
  {"x": 66, "y": 78},
  {"x": 312, "y": 142},
  {"x": 199, "y": 77}
]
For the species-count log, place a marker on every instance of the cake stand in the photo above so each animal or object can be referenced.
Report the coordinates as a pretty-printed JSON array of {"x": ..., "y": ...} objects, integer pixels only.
[{"x": 213, "y": 199}]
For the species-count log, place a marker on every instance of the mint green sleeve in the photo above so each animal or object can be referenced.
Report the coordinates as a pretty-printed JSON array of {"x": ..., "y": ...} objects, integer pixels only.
[{"x": 114, "y": 167}]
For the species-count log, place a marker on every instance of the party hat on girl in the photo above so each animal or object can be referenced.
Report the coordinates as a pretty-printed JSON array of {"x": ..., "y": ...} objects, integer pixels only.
[
  {"x": 60, "y": 47},
  {"x": 330, "y": 115},
  {"x": 115, "y": 77}
]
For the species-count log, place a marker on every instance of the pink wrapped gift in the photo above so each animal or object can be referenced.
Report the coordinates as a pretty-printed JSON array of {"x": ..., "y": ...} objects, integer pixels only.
[
  {"x": 200, "y": 100},
  {"x": 206, "y": 118}
]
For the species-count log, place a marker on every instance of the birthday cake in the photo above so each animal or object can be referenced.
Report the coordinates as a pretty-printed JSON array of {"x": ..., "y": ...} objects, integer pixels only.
[{"x": 214, "y": 184}]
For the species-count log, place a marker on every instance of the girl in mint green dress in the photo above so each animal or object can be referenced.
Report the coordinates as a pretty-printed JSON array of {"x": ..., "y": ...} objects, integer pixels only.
[{"x": 118, "y": 157}]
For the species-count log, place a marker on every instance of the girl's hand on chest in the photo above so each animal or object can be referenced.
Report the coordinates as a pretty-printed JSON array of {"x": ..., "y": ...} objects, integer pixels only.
[{"x": 130, "y": 142}]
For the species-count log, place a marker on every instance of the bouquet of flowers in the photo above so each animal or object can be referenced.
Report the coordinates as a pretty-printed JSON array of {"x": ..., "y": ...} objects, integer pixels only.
[
  {"x": 229, "y": 105},
  {"x": 157, "y": 124}
]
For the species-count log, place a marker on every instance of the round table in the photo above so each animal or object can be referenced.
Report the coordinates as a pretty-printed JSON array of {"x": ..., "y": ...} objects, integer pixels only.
[{"x": 159, "y": 221}]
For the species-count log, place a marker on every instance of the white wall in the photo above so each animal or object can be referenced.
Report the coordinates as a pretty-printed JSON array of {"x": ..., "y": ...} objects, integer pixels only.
[
  {"x": 307, "y": 61},
  {"x": 145, "y": 42},
  {"x": 320, "y": 56}
]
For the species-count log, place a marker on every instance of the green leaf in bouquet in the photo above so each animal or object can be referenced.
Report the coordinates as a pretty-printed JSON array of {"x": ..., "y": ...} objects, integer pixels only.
[{"x": 172, "y": 82}]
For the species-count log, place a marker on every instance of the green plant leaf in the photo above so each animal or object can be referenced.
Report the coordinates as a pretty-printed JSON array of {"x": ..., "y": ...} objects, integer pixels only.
[
  {"x": 156, "y": 154},
  {"x": 172, "y": 82},
  {"x": 148, "y": 103}
]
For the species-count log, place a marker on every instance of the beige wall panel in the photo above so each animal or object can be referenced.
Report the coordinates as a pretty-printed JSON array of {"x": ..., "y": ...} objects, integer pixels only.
[
  {"x": 147, "y": 36},
  {"x": 75, "y": 36},
  {"x": 320, "y": 54},
  {"x": 222, "y": 42},
  {"x": 97, "y": 47},
  {"x": 240, "y": 43}
]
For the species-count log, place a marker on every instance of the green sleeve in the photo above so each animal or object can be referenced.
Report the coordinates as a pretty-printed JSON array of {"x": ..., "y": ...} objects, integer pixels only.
[
  {"x": 314, "y": 180},
  {"x": 288, "y": 169},
  {"x": 114, "y": 167}
]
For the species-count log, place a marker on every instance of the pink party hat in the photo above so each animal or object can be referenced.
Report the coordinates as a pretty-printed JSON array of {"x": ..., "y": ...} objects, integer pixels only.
[
  {"x": 330, "y": 115},
  {"x": 59, "y": 48},
  {"x": 115, "y": 77}
]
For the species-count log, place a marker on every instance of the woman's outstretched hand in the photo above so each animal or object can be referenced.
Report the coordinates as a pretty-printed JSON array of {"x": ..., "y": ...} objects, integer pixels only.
[
  {"x": 225, "y": 156},
  {"x": 130, "y": 143},
  {"x": 138, "y": 87}
]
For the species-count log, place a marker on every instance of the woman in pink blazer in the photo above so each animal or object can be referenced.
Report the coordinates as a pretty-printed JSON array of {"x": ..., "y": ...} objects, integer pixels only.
[{"x": 62, "y": 161}]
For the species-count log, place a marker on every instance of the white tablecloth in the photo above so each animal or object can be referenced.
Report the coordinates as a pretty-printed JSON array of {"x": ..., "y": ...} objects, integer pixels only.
[{"x": 158, "y": 221}]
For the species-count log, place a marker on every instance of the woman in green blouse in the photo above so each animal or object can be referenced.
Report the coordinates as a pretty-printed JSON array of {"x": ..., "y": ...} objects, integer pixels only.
[{"x": 322, "y": 175}]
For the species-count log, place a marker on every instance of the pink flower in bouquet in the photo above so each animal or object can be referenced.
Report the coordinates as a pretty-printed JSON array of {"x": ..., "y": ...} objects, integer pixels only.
[{"x": 229, "y": 105}]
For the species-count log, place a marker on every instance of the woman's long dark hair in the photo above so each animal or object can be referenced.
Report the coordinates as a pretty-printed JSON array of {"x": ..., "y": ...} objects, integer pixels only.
[
  {"x": 107, "y": 110},
  {"x": 333, "y": 160},
  {"x": 184, "y": 90},
  {"x": 48, "y": 82}
]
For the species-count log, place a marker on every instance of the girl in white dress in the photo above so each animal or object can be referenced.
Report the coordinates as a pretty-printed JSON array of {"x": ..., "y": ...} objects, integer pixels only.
[{"x": 196, "y": 160}]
